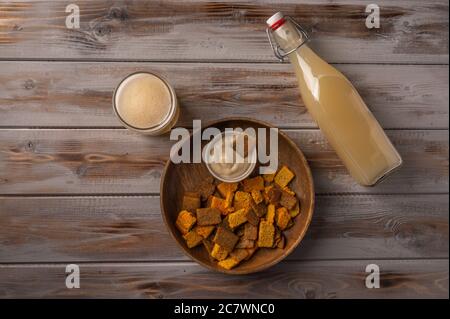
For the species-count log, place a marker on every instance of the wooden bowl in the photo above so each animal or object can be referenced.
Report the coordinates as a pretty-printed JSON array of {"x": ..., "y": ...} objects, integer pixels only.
[{"x": 178, "y": 178}]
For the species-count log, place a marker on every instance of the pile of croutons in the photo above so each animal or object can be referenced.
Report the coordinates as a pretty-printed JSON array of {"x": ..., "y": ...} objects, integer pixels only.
[{"x": 233, "y": 220}]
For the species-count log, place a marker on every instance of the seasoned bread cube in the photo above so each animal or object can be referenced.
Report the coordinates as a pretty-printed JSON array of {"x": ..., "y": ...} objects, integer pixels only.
[
  {"x": 277, "y": 237},
  {"x": 204, "y": 231},
  {"x": 250, "y": 232},
  {"x": 245, "y": 243},
  {"x": 220, "y": 204},
  {"x": 266, "y": 234},
  {"x": 229, "y": 263},
  {"x": 282, "y": 243},
  {"x": 192, "y": 239},
  {"x": 287, "y": 200},
  {"x": 208, "y": 216},
  {"x": 229, "y": 200},
  {"x": 259, "y": 209},
  {"x": 270, "y": 217},
  {"x": 219, "y": 252},
  {"x": 284, "y": 177},
  {"x": 225, "y": 238},
  {"x": 283, "y": 218},
  {"x": 295, "y": 210},
  {"x": 242, "y": 200},
  {"x": 240, "y": 196},
  {"x": 257, "y": 197},
  {"x": 288, "y": 190},
  {"x": 237, "y": 218},
  {"x": 206, "y": 188},
  {"x": 190, "y": 203},
  {"x": 252, "y": 218},
  {"x": 225, "y": 188},
  {"x": 208, "y": 244},
  {"x": 239, "y": 254},
  {"x": 268, "y": 178},
  {"x": 253, "y": 184},
  {"x": 272, "y": 195},
  {"x": 185, "y": 221}
]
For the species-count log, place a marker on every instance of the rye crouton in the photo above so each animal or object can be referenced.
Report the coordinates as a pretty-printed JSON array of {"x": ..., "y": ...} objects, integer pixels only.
[
  {"x": 257, "y": 197},
  {"x": 270, "y": 216},
  {"x": 252, "y": 218},
  {"x": 287, "y": 200},
  {"x": 268, "y": 178},
  {"x": 192, "y": 239},
  {"x": 239, "y": 254},
  {"x": 220, "y": 204},
  {"x": 225, "y": 238},
  {"x": 229, "y": 263},
  {"x": 266, "y": 234},
  {"x": 190, "y": 203},
  {"x": 208, "y": 216},
  {"x": 225, "y": 188},
  {"x": 282, "y": 243},
  {"x": 245, "y": 243},
  {"x": 295, "y": 210},
  {"x": 250, "y": 232},
  {"x": 253, "y": 184},
  {"x": 204, "y": 231},
  {"x": 284, "y": 177},
  {"x": 272, "y": 195},
  {"x": 283, "y": 218},
  {"x": 259, "y": 209},
  {"x": 206, "y": 188},
  {"x": 242, "y": 200},
  {"x": 219, "y": 252},
  {"x": 185, "y": 221},
  {"x": 237, "y": 218}
]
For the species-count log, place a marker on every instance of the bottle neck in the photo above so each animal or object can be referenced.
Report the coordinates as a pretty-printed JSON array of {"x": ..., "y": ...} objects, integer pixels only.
[{"x": 287, "y": 36}]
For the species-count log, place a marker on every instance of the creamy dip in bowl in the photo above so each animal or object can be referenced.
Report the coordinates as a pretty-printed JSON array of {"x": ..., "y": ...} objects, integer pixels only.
[{"x": 231, "y": 156}]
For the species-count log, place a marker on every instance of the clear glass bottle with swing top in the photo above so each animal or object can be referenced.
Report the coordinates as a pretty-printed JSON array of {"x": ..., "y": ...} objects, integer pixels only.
[{"x": 335, "y": 105}]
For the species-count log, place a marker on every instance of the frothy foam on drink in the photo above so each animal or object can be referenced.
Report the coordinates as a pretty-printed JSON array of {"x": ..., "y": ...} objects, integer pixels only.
[{"x": 143, "y": 101}]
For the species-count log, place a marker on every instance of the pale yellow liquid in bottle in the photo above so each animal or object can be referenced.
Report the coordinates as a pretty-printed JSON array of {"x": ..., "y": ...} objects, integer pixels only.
[{"x": 340, "y": 112}]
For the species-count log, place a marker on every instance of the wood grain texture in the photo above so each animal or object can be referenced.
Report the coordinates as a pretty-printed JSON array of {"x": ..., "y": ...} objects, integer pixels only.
[
  {"x": 66, "y": 94},
  {"x": 411, "y": 31},
  {"x": 120, "y": 162},
  {"x": 92, "y": 229},
  {"x": 327, "y": 279}
]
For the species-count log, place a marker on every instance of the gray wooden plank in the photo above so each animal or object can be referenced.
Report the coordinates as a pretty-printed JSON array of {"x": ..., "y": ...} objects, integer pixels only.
[
  {"x": 111, "y": 161},
  {"x": 325, "y": 279},
  {"x": 411, "y": 31},
  {"x": 49, "y": 94},
  {"x": 93, "y": 229}
]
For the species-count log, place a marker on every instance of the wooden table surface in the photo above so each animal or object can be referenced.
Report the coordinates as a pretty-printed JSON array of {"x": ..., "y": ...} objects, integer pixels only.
[{"x": 76, "y": 187}]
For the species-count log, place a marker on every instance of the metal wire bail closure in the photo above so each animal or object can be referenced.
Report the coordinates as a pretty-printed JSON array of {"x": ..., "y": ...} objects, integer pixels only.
[{"x": 279, "y": 53}]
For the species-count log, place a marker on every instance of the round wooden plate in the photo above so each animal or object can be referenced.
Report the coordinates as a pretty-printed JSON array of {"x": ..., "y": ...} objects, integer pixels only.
[{"x": 178, "y": 178}]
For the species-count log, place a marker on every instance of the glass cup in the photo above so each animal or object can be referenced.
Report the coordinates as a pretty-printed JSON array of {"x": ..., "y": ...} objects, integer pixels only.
[{"x": 168, "y": 113}]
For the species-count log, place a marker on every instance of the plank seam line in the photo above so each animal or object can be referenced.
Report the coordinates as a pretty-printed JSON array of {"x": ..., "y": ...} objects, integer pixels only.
[
  {"x": 120, "y": 128},
  {"x": 157, "y": 195},
  {"x": 188, "y": 262},
  {"x": 204, "y": 61}
]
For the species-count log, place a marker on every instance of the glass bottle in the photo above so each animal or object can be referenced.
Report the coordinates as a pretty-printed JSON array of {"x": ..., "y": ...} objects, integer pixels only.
[{"x": 335, "y": 105}]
